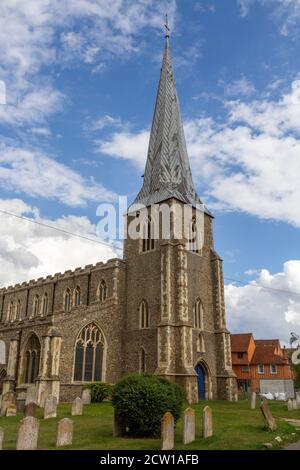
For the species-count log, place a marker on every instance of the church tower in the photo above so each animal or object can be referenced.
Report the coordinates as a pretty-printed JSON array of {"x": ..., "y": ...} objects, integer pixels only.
[{"x": 175, "y": 312}]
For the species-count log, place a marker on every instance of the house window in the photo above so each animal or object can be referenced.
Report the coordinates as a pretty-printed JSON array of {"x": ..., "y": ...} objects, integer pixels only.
[
  {"x": 148, "y": 235},
  {"x": 240, "y": 355},
  {"x": 261, "y": 369},
  {"x": 67, "y": 300},
  {"x": 45, "y": 305},
  {"x": 77, "y": 296},
  {"x": 89, "y": 350},
  {"x": 18, "y": 310},
  {"x": 36, "y": 306},
  {"x": 198, "y": 314},
  {"x": 245, "y": 368},
  {"x": 143, "y": 361},
  {"x": 144, "y": 315},
  {"x": 273, "y": 369},
  {"x": 32, "y": 359},
  {"x": 102, "y": 291}
]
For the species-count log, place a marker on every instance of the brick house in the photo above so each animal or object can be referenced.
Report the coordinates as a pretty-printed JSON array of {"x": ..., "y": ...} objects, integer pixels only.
[{"x": 261, "y": 365}]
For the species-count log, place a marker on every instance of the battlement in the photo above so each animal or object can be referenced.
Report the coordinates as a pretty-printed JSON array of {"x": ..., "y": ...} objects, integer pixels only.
[{"x": 89, "y": 268}]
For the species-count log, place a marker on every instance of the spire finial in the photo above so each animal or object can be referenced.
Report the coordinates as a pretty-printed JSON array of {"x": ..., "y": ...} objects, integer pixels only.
[{"x": 167, "y": 35}]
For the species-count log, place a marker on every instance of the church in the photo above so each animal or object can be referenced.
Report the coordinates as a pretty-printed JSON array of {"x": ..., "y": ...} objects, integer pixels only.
[{"x": 159, "y": 309}]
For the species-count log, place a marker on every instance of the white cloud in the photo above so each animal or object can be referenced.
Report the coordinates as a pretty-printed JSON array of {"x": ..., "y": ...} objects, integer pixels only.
[
  {"x": 128, "y": 146},
  {"x": 254, "y": 154},
  {"x": 25, "y": 247},
  {"x": 266, "y": 313},
  {"x": 238, "y": 88},
  {"x": 35, "y": 174},
  {"x": 244, "y": 6},
  {"x": 106, "y": 121},
  {"x": 2, "y": 92}
]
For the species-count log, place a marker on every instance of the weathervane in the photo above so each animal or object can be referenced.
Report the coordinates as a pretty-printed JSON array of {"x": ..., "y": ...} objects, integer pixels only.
[{"x": 167, "y": 27}]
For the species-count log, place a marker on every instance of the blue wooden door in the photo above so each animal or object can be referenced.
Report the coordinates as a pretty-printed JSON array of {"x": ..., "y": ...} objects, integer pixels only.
[{"x": 201, "y": 381}]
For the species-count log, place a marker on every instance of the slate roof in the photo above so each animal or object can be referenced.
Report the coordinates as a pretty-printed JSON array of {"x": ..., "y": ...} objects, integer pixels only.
[{"x": 167, "y": 174}]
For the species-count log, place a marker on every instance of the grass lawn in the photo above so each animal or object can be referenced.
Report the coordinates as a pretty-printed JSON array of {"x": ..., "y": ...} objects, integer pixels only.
[{"x": 235, "y": 427}]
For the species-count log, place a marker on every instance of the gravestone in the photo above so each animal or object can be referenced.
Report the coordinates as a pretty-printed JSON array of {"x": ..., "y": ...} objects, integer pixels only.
[
  {"x": 77, "y": 406},
  {"x": 268, "y": 417},
  {"x": 21, "y": 398},
  {"x": 119, "y": 428},
  {"x": 28, "y": 434},
  {"x": 207, "y": 423},
  {"x": 11, "y": 410},
  {"x": 295, "y": 405},
  {"x": 31, "y": 395},
  {"x": 167, "y": 432},
  {"x": 290, "y": 404},
  {"x": 1, "y": 438},
  {"x": 188, "y": 426},
  {"x": 86, "y": 397},
  {"x": 30, "y": 410},
  {"x": 8, "y": 399},
  {"x": 50, "y": 407},
  {"x": 64, "y": 432},
  {"x": 253, "y": 400}
]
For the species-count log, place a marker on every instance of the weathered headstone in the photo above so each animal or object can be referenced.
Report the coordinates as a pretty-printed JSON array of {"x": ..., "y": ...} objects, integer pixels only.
[
  {"x": 189, "y": 426},
  {"x": 1, "y": 438},
  {"x": 11, "y": 410},
  {"x": 295, "y": 405},
  {"x": 253, "y": 400},
  {"x": 28, "y": 434},
  {"x": 77, "y": 407},
  {"x": 30, "y": 410},
  {"x": 119, "y": 428},
  {"x": 167, "y": 432},
  {"x": 50, "y": 408},
  {"x": 290, "y": 404},
  {"x": 207, "y": 423},
  {"x": 31, "y": 395},
  {"x": 64, "y": 432},
  {"x": 268, "y": 417},
  {"x": 86, "y": 396},
  {"x": 21, "y": 398},
  {"x": 8, "y": 399},
  {"x": 44, "y": 395}
]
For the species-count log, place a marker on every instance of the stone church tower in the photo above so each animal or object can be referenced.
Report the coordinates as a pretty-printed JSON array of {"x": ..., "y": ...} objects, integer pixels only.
[{"x": 160, "y": 309}]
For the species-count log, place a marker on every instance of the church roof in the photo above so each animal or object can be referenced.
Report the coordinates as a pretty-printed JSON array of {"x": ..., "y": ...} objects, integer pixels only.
[{"x": 167, "y": 174}]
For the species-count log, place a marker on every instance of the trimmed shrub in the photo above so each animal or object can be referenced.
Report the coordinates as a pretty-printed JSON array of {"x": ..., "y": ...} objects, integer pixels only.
[
  {"x": 140, "y": 401},
  {"x": 99, "y": 391}
]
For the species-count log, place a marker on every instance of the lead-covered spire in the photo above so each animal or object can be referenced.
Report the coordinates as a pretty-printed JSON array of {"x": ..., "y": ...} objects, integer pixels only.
[{"x": 167, "y": 174}]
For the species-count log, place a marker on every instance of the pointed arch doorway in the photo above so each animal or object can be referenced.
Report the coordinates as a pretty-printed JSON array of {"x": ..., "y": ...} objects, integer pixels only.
[{"x": 200, "y": 371}]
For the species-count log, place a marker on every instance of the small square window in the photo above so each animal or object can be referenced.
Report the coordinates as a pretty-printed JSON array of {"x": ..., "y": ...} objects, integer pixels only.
[
  {"x": 240, "y": 355},
  {"x": 273, "y": 369},
  {"x": 245, "y": 369},
  {"x": 261, "y": 369}
]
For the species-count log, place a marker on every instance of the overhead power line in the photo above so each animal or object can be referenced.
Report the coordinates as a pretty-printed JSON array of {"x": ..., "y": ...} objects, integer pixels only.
[{"x": 262, "y": 287}]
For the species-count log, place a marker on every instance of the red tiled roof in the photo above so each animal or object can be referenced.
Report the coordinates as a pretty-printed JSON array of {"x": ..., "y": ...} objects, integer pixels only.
[
  {"x": 264, "y": 354},
  {"x": 240, "y": 342}
]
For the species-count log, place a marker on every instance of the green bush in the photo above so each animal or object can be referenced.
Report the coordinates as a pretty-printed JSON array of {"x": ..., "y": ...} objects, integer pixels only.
[
  {"x": 140, "y": 401},
  {"x": 99, "y": 391}
]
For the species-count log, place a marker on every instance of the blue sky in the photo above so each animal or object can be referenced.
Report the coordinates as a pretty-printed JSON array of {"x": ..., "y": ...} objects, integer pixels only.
[{"x": 77, "y": 93}]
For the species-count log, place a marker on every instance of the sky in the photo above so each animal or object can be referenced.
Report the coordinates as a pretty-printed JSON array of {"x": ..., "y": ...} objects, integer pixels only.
[{"x": 78, "y": 81}]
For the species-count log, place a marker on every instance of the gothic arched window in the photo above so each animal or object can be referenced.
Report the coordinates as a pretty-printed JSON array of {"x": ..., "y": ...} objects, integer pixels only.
[
  {"x": 67, "y": 300},
  {"x": 32, "y": 359},
  {"x": 200, "y": 343},
  {"x": 36, "y": 306},
  {"x": 89, "y": 350},
  {"x": 10, "y": 313},
  {"x": 198, "y": 314},
  {"x": 194, "y": 237},
  {"x": 18, "y": 310},
  {"x": 147, "y": 235},
  {"x": 143, "y": 361},
  {"x": 45, "y": 304},
  {"x": 77, "y": 296},
  {"x": 144, "y": 315},
  {"x": 102, "y": 291}
]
